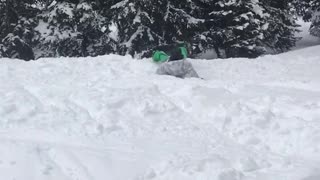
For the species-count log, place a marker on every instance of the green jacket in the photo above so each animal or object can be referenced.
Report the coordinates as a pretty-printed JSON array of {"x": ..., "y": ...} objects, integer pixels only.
[{"x": 160, "y": 56}]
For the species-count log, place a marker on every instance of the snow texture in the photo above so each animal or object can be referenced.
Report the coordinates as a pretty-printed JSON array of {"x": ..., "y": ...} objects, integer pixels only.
[
  {"x": 180, "y": 69},
  {"x": 112, "y": 117}
]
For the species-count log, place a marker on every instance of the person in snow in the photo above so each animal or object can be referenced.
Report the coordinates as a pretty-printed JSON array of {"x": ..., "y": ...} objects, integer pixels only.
[{"x": 172, "y": 59}]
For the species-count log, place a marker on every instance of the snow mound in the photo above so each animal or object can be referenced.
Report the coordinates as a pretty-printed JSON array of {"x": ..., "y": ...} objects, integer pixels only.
[{"x": 112, "y": 117}]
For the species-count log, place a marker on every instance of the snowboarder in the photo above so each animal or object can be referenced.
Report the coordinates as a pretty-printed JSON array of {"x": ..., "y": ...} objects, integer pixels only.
[{"x": 173, "y": 61}]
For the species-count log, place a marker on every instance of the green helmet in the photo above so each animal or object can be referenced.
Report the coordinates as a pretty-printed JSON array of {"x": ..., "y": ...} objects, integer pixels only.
[{"x": 160, "y": 56}]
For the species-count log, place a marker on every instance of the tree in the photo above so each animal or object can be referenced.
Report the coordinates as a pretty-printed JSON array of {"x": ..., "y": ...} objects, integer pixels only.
[
  {"x": 142, "y": 25},
  {"x": 236, "y": 27},
  {"x": 315, "y": 26},
  {"x": 73, "y": 28},
  {"x": 281, "y": 27},
  {"x": 17, "y": 29},
  {"x": 302, "y": 8},
  {"x": 310, "y": 10},
  {"x": 248, "y": 28}
]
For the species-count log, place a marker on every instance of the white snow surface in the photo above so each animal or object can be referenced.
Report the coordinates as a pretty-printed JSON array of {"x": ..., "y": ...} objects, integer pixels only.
[{"x": 113, "y": 118}]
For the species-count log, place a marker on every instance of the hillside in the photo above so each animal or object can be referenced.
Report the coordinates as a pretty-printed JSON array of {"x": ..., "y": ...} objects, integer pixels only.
[{"x": 112, "y": 117}]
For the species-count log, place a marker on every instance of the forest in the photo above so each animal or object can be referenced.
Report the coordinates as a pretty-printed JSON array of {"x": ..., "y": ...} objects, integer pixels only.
[{"x": 31, "y": 29}]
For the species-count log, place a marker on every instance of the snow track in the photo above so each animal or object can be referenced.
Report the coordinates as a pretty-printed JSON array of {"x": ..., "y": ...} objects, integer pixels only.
[{"x": 113, "y": 118}]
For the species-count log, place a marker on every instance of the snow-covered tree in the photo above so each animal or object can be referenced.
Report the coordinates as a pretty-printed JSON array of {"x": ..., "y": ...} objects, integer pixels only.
[
  {"x": 315, "y": 26},
  {"x": 300, "y": 8},
  {"x": 281, "y": 27},
  {"x": 57, "y": 35},
  {"x": 17, "y": 28},
  {"x": 235, "y": 26},
  {"x": 248, "y": 28},
  {"x": 68, "y": 28},
  {"x": 238, "y": 28},
  {"x": 2, "y": 26},
  {"x": 142, "y": 25},
  {"x": 310, "y": 11}
]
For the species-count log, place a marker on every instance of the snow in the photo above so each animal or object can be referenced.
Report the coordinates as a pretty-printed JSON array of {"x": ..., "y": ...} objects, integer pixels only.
[
  {"x": 167, "y": 11},
  {"x": 66, "y": 8},
  {"x": 84, "y": 6},
  {"x": 120, "y": 4},
  {"x": 139, "y": 31},
  {"x": 43, "y": 29},
  {"x": 114, "y": 31},
  {"x": 112, "y": 117},
  {"x": 137, "y": 18},
  {"x": 257, "y": 9}
]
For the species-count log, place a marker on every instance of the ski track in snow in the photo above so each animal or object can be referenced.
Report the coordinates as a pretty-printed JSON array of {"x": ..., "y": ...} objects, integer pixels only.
[{"x": 111, "y": 117}]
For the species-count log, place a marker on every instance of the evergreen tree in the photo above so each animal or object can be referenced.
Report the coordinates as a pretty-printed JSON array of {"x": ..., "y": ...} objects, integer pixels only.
[
  {"x": 235, "y": 26},
  {"x": 248, "y": 28},
  {"x": 303, "y": 8},
  {"x": 315, "y": 26},
  {"x": 144, "y": 24},
  {"x": 72, "y": 28},
  {"x": 17, "y": 28},
  {"x": 281, "y": 27},
  {"x": 209, "y": 34},
  {"x": 2, "y": 26},
  {"x": 238, "y": 28},
  {"x": 310, "y": 10}
]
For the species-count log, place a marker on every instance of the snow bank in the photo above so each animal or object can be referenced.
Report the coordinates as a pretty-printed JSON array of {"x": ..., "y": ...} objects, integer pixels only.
[{"x": 112, "y": 117}]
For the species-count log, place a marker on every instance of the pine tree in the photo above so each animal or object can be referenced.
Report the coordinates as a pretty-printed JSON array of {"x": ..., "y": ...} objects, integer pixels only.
[
  {"x": 144, "y": 24},
  {"x": 235, "y": 26},
  {"x": 17, "y": 28},
  {"x": 73, "y": 28},
  {"x": 248, "y": 28},
  {"x": 303, "y": 9},
  {"x": 281, "y": 27},
  {"x": 209, "y": 34},
  {"x": 239, "y": 28},
  {"x": 315, "y": 26},
  {"x": 57, "y": 35},
  {"x": 310, "y": 10},
  {"x": 185, "y": 22},
  {"x": 2, "y": 26}
]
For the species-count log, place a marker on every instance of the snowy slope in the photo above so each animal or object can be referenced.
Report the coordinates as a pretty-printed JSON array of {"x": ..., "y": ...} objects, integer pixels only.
[{"x": 112, "y": 118}]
